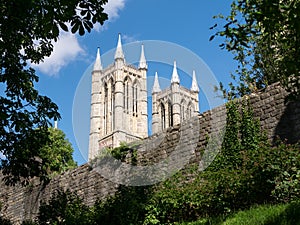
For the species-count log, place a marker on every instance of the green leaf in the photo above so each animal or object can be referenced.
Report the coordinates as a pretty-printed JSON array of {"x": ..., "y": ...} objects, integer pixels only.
[
  {"x": 211, "y": 37},
  {"x": 213, "y": 26},
  {"x": 63, "y": 26},
  {"x": 75, "y": 27},
  {"x": 83, "y": 12},
  {"x": 55, "y": 30},
  {"x": 81, "y": 30}
]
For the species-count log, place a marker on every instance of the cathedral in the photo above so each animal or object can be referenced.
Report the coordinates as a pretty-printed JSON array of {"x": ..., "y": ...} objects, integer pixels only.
[{"x": 119, "y": 102}]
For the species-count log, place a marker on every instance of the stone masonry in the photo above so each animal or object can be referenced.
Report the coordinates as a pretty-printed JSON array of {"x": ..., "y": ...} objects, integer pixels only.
[
  {"x": 119, "y": 102},
  {"x": 277, "y": 118}
]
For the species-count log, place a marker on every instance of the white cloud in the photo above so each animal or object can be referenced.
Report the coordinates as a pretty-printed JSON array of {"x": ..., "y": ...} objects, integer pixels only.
[
  {"x": 113, "y": 7},
  {"x": 65, "y": 50},
  {"x": 128, "y": 38}
]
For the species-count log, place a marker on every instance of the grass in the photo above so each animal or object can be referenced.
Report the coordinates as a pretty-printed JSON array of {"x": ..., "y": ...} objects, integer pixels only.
[{"x": 284, "y": 214}]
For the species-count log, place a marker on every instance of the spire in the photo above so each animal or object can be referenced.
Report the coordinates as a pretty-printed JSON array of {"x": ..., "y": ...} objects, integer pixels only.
[
  {"x": 98, "y": 65},
  {"x": 175, "y": 77},
  {"x": 156, "y": 87},
  {"x": 119, "y": 52},
  {"x": 143, "y": 63},
  {"x": 194, "y": 86}
]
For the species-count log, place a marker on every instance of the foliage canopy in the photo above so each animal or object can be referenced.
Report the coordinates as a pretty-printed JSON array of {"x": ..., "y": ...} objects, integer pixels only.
[
  {"x": 28, "y": 29},
  {"x": 264, "y": 37},
  {"x": 58, "y": 152}
]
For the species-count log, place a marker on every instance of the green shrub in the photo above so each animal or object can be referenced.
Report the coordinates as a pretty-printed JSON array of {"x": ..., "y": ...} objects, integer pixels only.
[
  {"x": 65, "y": 208},
  {"x": 287, "y": 170},
  {"x": 125, "y": 153},
  {"x": 126, "y": 207},
  {"x": 4, "y": 221},
  {"x": 248, "y": 171}
]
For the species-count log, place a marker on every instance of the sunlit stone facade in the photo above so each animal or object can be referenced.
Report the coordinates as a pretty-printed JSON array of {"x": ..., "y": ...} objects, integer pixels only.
[{"x": 119, "y": 102}]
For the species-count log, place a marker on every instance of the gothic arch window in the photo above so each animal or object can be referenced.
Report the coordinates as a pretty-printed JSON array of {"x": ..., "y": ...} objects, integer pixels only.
[
  {"x": 126, "y": 100},
  {"x": 182, "y": 110},
  {"x": 112, "y": 103},
  {"x": 135, "y": 91},
  {"x": 163, "y": 116},
  {"x": 190, "y": 110},
  {"x": 170, "y": 113},
  {"x": 105, "y": 108}
]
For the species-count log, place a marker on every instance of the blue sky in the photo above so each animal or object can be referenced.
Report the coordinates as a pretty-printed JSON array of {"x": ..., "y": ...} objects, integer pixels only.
[{"x": 185, "y": 24}]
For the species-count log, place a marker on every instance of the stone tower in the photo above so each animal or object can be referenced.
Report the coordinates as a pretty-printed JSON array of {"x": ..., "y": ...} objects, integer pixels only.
[
  {"x": 174, "y": 104},
  {"x": 118, "y": 102}
]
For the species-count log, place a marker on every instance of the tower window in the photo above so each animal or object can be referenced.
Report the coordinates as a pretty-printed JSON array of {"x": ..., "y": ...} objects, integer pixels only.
[
  {"x": 112, "y": 104},
  {"x": 190, "y": 110},
  {"x": 170, "y": 112},
  {"x": 163, "y": 116},
  {"x": 135, "y": 99},
  {"x": 105, "y": 108},
  {"x": 126, "y": 86},
  {"x": 182, "y": 110}
]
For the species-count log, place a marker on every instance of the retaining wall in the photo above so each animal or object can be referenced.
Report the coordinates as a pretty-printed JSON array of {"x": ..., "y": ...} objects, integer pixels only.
[{"x": 276, "y": 117}]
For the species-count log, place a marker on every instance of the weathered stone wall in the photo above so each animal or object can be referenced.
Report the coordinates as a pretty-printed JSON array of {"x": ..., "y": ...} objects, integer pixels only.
[
  {"x": 21, "y": 203},
  {"x": 277, "y": 118}
]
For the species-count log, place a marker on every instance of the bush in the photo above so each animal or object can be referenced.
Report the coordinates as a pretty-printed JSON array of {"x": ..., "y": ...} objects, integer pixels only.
[
  {"x": 65, "y": 208},
  {"x": 126, "y": 207},
  {"x": 248, "y": 171},
  {"x": 287, "y": 170},
  {"x": 4, "y": 221}
]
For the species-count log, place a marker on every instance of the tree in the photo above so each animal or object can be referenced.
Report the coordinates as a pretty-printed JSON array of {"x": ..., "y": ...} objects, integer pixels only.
[
  {"x": 58, "y": 152},
  {"x": 27, "y": 29},
  {"x": 264, "y": 36},
  {"x": 55, "y": 154}
]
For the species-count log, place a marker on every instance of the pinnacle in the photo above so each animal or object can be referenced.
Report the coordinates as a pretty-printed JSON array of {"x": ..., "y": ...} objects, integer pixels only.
[
  {"x": 98, "y": 65},
  {"x": 119, "y": 51},
  {"x": 143, "y": 63},
  {"x": 194, "y": 86},
  {"x": 175, "y": 77},
  {"x": 156, "y": 87}
]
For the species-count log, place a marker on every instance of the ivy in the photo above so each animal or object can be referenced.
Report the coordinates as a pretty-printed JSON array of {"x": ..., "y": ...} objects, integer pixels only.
[{"x": 124, "y": 152}]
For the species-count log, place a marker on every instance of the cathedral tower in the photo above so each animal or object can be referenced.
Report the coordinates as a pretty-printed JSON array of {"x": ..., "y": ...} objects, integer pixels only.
[
  {"x": 175, "y": 104},
  {"x": 118, "y": 102}
]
